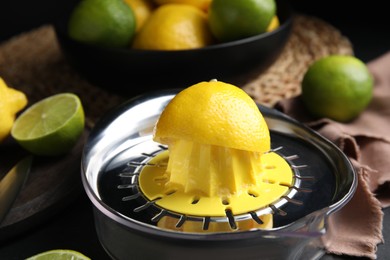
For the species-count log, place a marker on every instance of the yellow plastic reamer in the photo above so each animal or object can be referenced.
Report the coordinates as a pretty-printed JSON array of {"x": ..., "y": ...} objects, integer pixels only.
[{"x": 205, "y": 185}]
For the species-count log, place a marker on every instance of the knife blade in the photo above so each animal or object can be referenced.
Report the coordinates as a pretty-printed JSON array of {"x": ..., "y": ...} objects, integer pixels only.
[{"x": 12, "y": 183}]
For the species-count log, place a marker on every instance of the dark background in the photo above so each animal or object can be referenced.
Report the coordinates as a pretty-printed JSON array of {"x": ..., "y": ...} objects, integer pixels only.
[{"x": 364, "y": 23}]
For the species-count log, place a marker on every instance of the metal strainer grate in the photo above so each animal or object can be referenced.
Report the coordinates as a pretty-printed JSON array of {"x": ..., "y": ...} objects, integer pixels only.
[{"x": 181, "y": 209}]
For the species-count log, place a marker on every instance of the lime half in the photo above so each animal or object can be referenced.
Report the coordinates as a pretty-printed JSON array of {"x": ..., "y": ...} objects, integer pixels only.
[
  {"x": 59, "y": 254},
  {"x": 51, "y": 126},
  {"x": 233, "y": 20}
]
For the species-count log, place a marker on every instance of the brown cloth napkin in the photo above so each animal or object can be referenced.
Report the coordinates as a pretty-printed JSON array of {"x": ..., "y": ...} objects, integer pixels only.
[{"x": 356, "y": 229}]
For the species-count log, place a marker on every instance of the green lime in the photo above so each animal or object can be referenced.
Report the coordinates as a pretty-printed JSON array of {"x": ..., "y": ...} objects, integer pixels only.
[
  {"x": 51, "y": 126},
  {"x": 232, "y": 19},
  {"x": 338, "y": 87},
  {"x": 109, "y": 23},
  {"x": 59, "y": 254}
]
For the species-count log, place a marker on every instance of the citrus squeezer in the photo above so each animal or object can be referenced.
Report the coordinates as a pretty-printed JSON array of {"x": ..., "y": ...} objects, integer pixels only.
[{"x": 141, "y": 214}]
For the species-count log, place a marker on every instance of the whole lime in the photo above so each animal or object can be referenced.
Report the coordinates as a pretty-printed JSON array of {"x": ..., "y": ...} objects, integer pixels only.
[
  {"x": 338, "y": 87},
  {"x": 232, "y": 19},
  {"x": 109, "y": 23}
]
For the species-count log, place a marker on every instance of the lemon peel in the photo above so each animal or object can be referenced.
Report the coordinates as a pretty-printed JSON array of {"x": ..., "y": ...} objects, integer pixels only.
[
  {"x": 12, "y": 101},
  {"x": 142, "y": 10},
  {"x": 214, "y": 113}
]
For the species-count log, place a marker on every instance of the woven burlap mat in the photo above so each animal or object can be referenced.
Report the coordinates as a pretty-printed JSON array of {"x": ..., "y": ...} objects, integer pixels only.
[
  {"x": 311, "y": 39},
  {"x": 33, "y": 62}
]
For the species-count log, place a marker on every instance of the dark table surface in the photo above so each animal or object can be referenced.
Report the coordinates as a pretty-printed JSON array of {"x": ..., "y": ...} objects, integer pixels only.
[{"x": 72, "y": 226}]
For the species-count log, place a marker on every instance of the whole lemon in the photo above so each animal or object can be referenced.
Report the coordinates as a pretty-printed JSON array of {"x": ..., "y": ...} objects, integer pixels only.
[
  {"x": 202, "y": 4},
  {"x": 142, "y": 10},
  {"x": 274, "y": 24},
  {"x": 337, "y": 87},
  {"x": 52, "y": 126},
  {"x": 174, "y": 27},
  {"x": 109, "y": 23},
  {"x": 232, "y": 19},
  {"x": 12, "y": 101}
]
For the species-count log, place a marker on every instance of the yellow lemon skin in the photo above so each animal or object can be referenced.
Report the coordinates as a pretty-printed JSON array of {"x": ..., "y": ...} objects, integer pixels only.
[
  {"x": 142, "y": 10},
  {"x": 174, "y": 27},
  {"x": 214, "y": 113},
  {"x": 201, "y": 4},
  {"x": 11, "y": 102},
  {"x": 274, "y": 24}
]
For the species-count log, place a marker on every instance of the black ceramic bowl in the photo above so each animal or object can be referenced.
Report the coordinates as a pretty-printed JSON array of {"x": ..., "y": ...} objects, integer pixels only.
[{"x": 129, "y": 71}]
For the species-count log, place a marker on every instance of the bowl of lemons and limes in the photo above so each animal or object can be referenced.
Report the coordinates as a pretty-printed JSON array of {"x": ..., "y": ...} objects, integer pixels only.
[{"x": 130, "y": 46}]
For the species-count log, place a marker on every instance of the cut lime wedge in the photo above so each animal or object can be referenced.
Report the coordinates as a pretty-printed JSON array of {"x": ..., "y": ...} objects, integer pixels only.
[
  {"x": 51, "y": 126},
  {"x": 59, "y": 254}
]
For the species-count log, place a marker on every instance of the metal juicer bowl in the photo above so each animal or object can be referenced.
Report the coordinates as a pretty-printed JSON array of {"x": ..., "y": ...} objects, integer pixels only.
[{"x": 326, "y": 183}]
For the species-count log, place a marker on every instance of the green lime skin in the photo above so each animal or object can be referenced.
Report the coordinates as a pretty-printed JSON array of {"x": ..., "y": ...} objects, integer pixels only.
[
  {"x": 51, "y": 127},
  {"x": 231, "y": 20},
  {"x": 338, "y": 87},
  {"x": 59, "y": 142},
  {"x": 107, "y": 23}
]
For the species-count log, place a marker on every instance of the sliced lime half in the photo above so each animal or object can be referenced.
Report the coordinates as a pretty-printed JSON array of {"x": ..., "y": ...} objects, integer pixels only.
[
  {"x": 59, "y": 254},
  {"x": 51, "y": 126}
]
